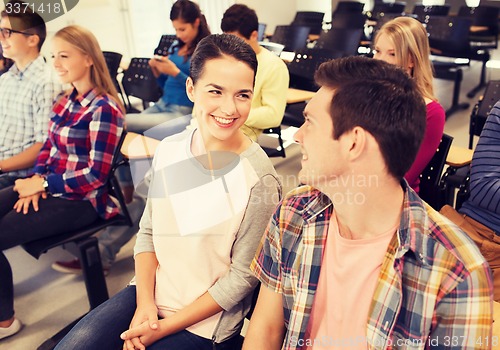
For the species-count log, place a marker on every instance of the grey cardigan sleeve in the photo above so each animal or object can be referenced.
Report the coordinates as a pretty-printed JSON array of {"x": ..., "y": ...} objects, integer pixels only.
[
  {"x": 239, "y": 281},
  {"x": 144, "y": 241}
]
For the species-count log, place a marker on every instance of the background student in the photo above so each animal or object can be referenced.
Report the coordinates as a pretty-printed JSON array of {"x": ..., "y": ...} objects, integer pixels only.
[
  {"x": 271, "y": 82},
  {"x": 68, "y": 190},
  {"x": 479, "y": 216},
  {"x": 172, "y": 71},
  {"x": 27, "y": 92},
  {"x": 403, "y": 41}
]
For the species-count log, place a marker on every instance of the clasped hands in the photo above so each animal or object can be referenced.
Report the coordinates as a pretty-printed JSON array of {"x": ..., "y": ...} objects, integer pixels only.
[
  {"x": 30, "y": 190},
  {"x": 144, "y": 330}
]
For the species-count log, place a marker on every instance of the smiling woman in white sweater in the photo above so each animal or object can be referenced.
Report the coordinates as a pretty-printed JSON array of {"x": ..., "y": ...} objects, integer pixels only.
[{"x": 212, "y": 192}]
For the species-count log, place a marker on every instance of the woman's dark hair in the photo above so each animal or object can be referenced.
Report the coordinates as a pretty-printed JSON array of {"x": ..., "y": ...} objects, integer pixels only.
[
  {"x": 189, "y": 12},
  {"x": 219, "y": 45}
]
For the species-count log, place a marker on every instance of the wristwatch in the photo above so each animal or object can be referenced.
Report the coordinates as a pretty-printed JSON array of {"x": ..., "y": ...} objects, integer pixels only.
[{"x": 45, "y": 185}]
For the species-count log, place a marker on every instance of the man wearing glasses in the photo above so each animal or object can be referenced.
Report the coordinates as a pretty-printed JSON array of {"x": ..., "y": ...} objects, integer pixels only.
[{"x": 26, "y": 93}]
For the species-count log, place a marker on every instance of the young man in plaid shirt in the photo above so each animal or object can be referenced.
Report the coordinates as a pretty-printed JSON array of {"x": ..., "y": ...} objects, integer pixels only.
[
  {"x": 27, "y": 92},
  {"x": 354, "y": 259}
]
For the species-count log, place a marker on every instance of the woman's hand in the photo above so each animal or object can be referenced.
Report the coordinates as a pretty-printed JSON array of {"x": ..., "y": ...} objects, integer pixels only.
[
  {"x": 30, "y": 186},
  {"x": 141, "y": 336},
  {"x": 145, "y": 318},
  {"x": 164, "y": 65},
  {"x": 24, "y": 203}
]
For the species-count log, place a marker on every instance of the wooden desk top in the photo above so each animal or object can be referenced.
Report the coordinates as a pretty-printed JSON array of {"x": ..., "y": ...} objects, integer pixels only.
[
  {"x": 136, "y": 146},
  {"x": 313, "y": 37},
  {"x": 296, "y": 95},
  {"x": 459, "y": 156},
  {"x": 475, "y": 29}
]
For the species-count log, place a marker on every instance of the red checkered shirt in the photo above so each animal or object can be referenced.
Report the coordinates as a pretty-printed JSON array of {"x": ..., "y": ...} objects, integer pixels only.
[{"x": 77, "y": 156}]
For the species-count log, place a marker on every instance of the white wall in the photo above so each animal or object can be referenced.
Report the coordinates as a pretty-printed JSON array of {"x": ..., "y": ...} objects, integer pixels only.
[
  {"x": 273, "y": 12},
  {"x": 127, "y": 27},
  {"x": 316, "y": 5},
  {"x": 105, "y": 18}
]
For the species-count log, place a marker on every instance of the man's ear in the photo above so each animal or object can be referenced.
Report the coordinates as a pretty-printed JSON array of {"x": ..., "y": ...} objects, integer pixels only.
[
  {"x": 254, "y": 36},
  {"x": 357, "y": 139},
  {"x": 33, "y": 41},
  {"x": 190, "y": 89}
]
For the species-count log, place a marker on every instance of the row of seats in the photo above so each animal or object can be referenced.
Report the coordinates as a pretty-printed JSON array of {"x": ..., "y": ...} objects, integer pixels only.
[{"x": 469, "y": 36}]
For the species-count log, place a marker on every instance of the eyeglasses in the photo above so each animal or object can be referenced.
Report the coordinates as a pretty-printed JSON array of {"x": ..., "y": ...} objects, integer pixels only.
[{"x": 7, "y": 32}]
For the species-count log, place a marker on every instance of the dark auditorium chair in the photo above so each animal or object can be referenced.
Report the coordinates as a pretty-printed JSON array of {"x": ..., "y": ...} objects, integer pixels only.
[
  {"x": 113, "y": 60},
  {"x": 429, "y": 190},
  {"x": 302, "y": 69},
  {"x": 448, "y": 38},
  {"x": 349, "y": 6},
  {"x": 139, "y": 81},
  {"x": 311, "y": 19},
  {"x": 424, "y": 12},
  {"x": 166, "y": 41},
  {"x": 380, "y": 9},
  {"x": 88, "y": 248},
  {"x": 482, "y": 109},
  {"x": 348, "y": 20},
  {"x": 484, "y": 40},
  {"x": 293, "y": 37},
  {"x": 342, "y": 40}
]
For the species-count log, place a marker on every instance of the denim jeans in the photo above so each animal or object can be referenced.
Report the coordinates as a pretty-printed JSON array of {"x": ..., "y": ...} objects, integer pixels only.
[
  {"x": 7, "y": 180},
  {"x": 101, "y": 329}
]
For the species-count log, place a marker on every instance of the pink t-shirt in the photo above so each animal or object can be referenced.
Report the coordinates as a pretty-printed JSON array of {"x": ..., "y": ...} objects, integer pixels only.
[{"x": 347, "y": 281}]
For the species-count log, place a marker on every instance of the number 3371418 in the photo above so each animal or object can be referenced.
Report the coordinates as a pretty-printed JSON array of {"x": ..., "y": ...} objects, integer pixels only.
[{"x": 41, "y": 7}]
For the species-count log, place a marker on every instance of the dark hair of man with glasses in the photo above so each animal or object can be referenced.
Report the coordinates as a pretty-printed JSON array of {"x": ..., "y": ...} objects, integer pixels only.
[{"x": 24, "y": 22}]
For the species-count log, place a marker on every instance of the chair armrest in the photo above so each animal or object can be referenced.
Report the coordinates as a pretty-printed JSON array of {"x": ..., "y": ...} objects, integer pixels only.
[{"x": 459, "y": 156}]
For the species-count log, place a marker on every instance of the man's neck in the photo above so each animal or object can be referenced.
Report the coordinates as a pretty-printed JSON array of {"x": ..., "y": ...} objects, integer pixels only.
[
  {"x": 255, "y": 46},
  {"x": 25, "y": 61},
  {"x": 367, "y": 211}
]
